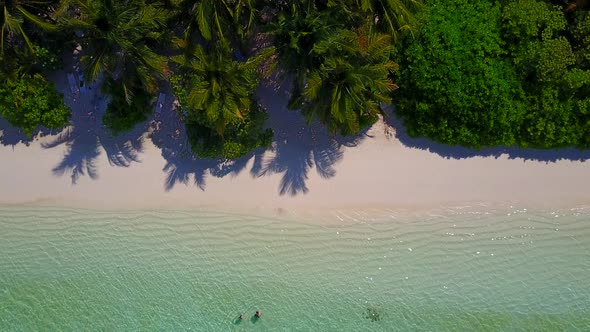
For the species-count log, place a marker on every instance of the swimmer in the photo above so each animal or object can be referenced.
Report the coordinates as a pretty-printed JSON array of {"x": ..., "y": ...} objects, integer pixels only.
[
  {"x": 241, "y": 317},
  {"x": 258, "y": 314}
]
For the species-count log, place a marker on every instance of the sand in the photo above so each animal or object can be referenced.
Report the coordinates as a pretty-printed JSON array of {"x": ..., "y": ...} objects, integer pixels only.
[{"x": 306, "y": 169}]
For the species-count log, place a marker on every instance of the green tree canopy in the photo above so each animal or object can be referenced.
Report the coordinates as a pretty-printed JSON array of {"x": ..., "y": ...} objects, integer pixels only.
[
  {"x": 555, "y": 79},
  {"x": 455, "y": 86},
  {"x": 513, "y": 72},
  {"x": 346, "y": 91},
  {"x": 216, "y": 95},
  {"x": 217, "y": 19},
  {"x": 296, "y": 32},
  {"x": 13, "y": 14},
  {"x": 394, "y": 17},
  {"x": 31, "y": 101},
  {"x": 119, "y": 38}
]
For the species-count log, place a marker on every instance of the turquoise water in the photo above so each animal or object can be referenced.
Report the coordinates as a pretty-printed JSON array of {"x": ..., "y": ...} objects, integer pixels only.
[{"x": 73, "y": 270}]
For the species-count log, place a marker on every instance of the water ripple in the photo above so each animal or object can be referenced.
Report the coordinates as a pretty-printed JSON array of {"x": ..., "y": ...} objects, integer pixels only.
[{"x": 69, "y": 269}]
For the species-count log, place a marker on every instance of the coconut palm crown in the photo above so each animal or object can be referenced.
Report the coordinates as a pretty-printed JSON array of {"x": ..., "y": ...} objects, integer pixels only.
[
  {"x": 119, "y": 37},
  {"x": 13, "y": 14},
  {"x": 216, "y": 19},
  {"x": 394, "y": 17},
  {"x": 346, "y": 92},
  {"x": 216, "y": 89}
]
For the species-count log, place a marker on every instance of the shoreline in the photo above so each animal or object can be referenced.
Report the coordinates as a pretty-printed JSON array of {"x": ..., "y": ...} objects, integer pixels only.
[
  {"x": 305, "y": 170},
  {"x": 310, "y": 217}
]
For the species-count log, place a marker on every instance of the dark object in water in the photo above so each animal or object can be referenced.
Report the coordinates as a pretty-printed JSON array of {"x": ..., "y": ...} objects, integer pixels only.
[
  {"x": 374, "y": 314},
  {"x": 239, "y": 320}
]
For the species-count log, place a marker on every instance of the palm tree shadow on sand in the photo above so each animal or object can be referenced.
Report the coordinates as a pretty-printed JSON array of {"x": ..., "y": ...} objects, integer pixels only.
[
  {"x": 11, "y": 136},
  {"x": 459, "y": 152},
  {"x": 168, "y": 133},
  {"x": 297, "y": 148},
  {"x": 294, "y": 156},
  {"x": 80, "y": 157},
  {"x": 86, "y": 138}
]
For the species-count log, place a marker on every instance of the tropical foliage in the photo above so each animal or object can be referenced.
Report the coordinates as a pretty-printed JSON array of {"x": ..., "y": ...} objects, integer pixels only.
[
  {"x": 14, "y": 14},
  {"x": 27, "y": 99},
  {"x": 341, "y": 76},
  {"x": 295, "y": 33},
  {"x": 475, "y": 73},
  {"x": 455, "y": 86},
  {"x": 346, "y": 91},
  {"x": 120, "y": 116},
  {"x": 216, "y": 94},
  {"x": 119, "y": 38},
  {"x": 216, "y": 20},
  {"x": 394, "y": 17},
  {"x": 489, "y": 73},
  {"x": 554, "y": 70},
  {"x": 336, "y": 51},
  {"x": 31, "y": 101}
]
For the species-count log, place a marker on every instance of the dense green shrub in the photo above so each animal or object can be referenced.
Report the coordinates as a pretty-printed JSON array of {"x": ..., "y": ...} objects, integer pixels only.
[
  {"x": 486, "y": 73},
  {"x": 32, "y": 101},
  {"x": 47, "y": 59},
  {"x": 542, "y": 46},
  {"x": 455, "y": 86}
]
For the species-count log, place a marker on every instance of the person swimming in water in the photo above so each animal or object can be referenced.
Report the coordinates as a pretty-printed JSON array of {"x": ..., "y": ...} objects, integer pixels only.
[
  {"x": 241, "y": 317},
  {"x": 258, "y": 314}
]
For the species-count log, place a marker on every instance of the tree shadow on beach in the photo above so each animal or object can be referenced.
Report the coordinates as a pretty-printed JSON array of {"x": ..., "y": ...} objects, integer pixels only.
[
  {"x": 80, "y": 157},
  {"x": 11, "y": 136},
  {"x": 459, "y": 152},
  {"x": 297, "y": 148},
  {"x": 293, "y": 155},
  {"x": 86, "y": 138},
  {"x": 168, "y": 133}
]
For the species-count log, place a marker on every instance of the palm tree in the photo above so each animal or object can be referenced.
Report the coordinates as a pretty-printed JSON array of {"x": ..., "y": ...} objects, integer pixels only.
[
  {"x": 214, "y": 19},
  {"x": 296, "y": 32},
  {"x": 391, "y": 16},
  {"x": 119, "y": 37},
  {"x": 216, "y": 95},
  {"x": 13, "y": 14},
  {"x": 216, "y": 89},
  {"x": 347, "y": 90}
]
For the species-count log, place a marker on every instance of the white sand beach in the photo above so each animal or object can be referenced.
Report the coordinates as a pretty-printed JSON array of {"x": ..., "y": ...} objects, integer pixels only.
[{"x": 305, "y": 170}]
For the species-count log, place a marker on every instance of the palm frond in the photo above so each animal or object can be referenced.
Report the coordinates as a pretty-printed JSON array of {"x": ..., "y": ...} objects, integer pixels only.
[
  {"x": 202, "y": 20},
  {"x": 314, "y": 85},
  {"x": 26, "y": 38},
  {"x": 35, "y": 19}
]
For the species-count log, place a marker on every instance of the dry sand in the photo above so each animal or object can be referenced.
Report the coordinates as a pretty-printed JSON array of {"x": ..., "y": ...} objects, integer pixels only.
[{"x": 306, "y": 169}]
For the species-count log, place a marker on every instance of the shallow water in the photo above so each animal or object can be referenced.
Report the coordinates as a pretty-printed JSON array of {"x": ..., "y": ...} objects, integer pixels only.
[{"x": 71, "y": 270}]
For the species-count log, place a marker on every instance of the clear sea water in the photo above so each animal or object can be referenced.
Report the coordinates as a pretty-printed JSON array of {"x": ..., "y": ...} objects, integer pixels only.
[{"x": 82, "y": 270}]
